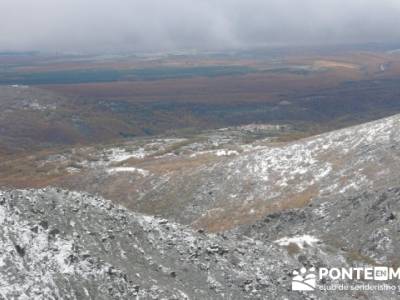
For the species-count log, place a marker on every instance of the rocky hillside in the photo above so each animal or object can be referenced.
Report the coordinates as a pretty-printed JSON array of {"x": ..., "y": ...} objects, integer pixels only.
[
  {"x": 344, "y": 162},
  {"x": 326, "y": 201},
  {"x": 58, "y": 244},
  {"x": 217, "y": 184},
  {"x": 65, "y": 245}
]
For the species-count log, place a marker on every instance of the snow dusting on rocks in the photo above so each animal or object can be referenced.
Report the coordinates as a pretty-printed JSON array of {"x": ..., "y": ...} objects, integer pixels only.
[
  {"x": 58, "y": 244},
  {"x": 273, "y": 178}
]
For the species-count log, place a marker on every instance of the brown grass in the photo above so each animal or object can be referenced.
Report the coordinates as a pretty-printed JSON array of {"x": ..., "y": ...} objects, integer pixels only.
[
  {"x": 221, "y": 219},
  {"x": 334, "y": 64}
]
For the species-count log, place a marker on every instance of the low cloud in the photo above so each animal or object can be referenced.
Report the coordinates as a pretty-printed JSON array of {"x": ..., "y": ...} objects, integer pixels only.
[{"x": 159, "y": 25}]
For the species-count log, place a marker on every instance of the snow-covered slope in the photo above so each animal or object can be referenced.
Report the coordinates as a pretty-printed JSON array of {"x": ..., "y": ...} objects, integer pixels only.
[
  {"x": 244, "y": 188},
  {"x": 58, "y": 244},
  {"x": 329, "y": 200}
]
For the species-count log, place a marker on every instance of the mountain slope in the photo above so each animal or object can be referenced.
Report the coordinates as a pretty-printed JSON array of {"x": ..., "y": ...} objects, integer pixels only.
[
  {"x": 343, "y": 162},
  {"x": 61, "y": 244},
  {"x": 330, "y": 200},
  {"x": 218, "y": 192}
]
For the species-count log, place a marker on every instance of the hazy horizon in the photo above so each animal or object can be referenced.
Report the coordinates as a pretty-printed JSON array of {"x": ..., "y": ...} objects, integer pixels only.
[{"x": 158, "y": 26}]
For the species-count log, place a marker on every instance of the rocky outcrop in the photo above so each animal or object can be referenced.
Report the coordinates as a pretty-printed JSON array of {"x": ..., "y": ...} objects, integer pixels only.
[{"x": 58, "y": 244}]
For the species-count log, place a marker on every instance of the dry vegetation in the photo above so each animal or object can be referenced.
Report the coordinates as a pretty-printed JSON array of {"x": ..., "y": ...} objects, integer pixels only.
[{"x": 220, "y": 219}]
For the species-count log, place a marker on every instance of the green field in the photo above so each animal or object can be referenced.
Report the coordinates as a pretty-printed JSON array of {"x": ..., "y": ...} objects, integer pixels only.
[{"x": 109, "y": 75}]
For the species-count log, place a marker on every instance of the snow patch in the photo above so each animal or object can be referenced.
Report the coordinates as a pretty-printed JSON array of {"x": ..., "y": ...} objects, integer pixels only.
[
  {"x": 116, "y": 170},
  {"x": 224, "y": 152},
  {"x": 118, "y": 154},
  {"x": 301, "y": 241}
]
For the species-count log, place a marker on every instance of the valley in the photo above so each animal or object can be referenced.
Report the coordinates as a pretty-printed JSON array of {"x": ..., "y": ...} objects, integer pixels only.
[
  {"x": 182, "y": 94},
  {"x": 222, "y": 218},
  {"x": 196, "y": 176}
]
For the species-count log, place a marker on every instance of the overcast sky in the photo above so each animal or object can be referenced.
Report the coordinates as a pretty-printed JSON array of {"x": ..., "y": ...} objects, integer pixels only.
[{"x": 160, "y": 25}]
